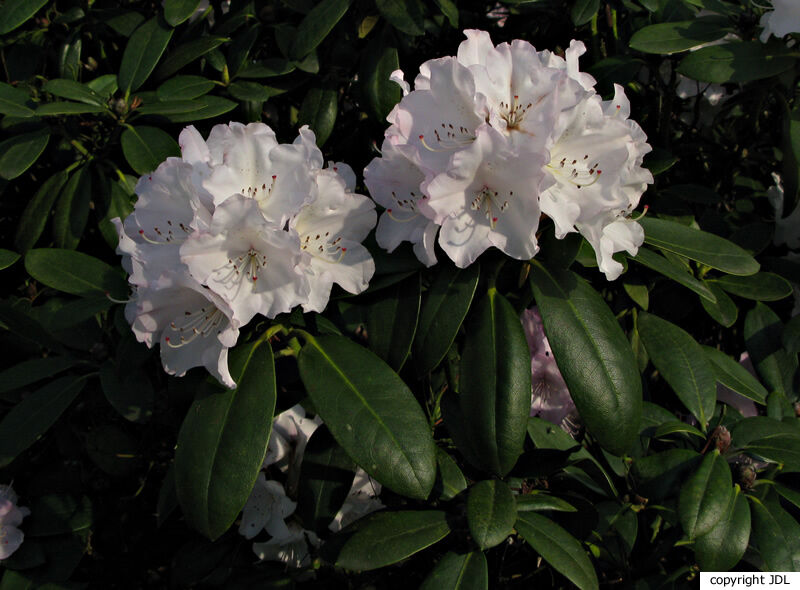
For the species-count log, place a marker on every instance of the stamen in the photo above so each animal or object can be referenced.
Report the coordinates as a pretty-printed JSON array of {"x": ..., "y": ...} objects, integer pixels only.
[{"x": 199, "y": 323}]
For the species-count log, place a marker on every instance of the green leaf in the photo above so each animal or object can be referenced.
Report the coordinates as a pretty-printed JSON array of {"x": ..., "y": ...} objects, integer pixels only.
[
  {"x": 558, "y": 548},
  {"x": 185, "y": 88},
  {"x": 72, "y": 209},
  {"x": 142, "y": 53},
  {"x": 249, "y": 91},
  {"x": 672, "y": 271},
  {"x": 776, "y": 535},
  {"x": 449, "y": 10},
  {"x": 659, "y": 161},
  {"x": 318, "y": 111},
  {"x": 16, "y": 12},
  {"x": 384, "y": 538},
  {"x": 450, "y": 481},
  {"x": 7, "y": 258},
  {"x": 491, "y": 512},
  {"x": 177, "y": 11},
  {"x": 759, "y": 427},
  {"x": 681, "y": 362},
  {"x": 72, "y": 90},
  {"x": 762, "y": 336},
  {"x": 660, "y": 473},
  {"x": 35, "y": 414},
  {"x": 33, "y": 370},
  {"x": 583, "y": 11},
  {"x": 678, "y": 36},
  {"x": 403, "y": 15},
  {"x": 618, "y": 69},
  {"x": 734, "y": 376},
  {"x": 443, "y": 310},
  {"x": 392, "y": 321},
  {"x": 14, "y": 102},
  {"x": 69, "y": 57},
  {"x": 762, "y": 286},
  {"x": 57, "y": 514},
  {"x": 131, "y": 394},
  {"x": 185, "y": 54},
  {"x": 676, "y": 426},
  {"x": 791, "y": 335},
  {"x": 105, "y": 85},
  {"x": 316, "y": 25},
  {"x": 170, "y": 107},
  {"x": 698, "y": 245},
  {"x": 537, "y": 502},
  {"x": 777, "y": 448},
  {"x": 705, "y": 495},
  {"x": 223, "y": 440},
  {"x": 495, "y": 384},
  {"x": 724, "y": 545},
  {"x": 361, "y": 399},
  {"x": 146, "y": 147},
  {"x": 459, "y": 571},
  {"x": 74, "y": 272},
  {"x": 18, "y": 153},
  {"x": 724, "y": 311},
  {"x": 268, "y": 68},
  {"x": 734, "y": 62},
  {"x": 326, "y": 476},
  {"x": 379, "y": 60},
  {"x": 57, "y": 109},
  {"x": 593, "y": 354},
  {"x": 213, "y": 106}
]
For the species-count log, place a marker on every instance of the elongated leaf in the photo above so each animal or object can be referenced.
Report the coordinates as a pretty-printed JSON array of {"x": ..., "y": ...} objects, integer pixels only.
[
  {"x": 318, "y": 111},
  {"x": 593, "y": 355},
  {"x": 325, "y": 479},
  {"x": 762, "y": 286},
  {"x": 674, "y": 427},
  {"x": 379, "y": 61},
  {"x": 72, "y": 209},
  {"x": 495, "y": 384},
  {"x": 177, "y": 11},
  {"x": 724, "y": 311},
  {"x": 450, "y": 481},
  {"x": 670, "y": 270},
  {"x": 385, "y": 538},
  {"x": 661, "y": 472},
  {"x": 456, "y": 571},
  {"x": 371, "y": 413},
  {"x": 146, "y": 147},
  {"x": 443, "y": 310},
  {"x": 491, "y": 512},
  {"x": 705, "y": 495},
  {"x": 776, "y": 535},
  {"x": 537, "y": 502},
  {"x": 404, "y": 15},
  {"x": 681, "y": 361},
  {"x": 558, "y": 548},
  {"x": 14, "y": 101},
  {"x": 7, "y": 258},
  {"x": 762, "y": 336},
  {"x": 583, "y": 11},
  {"x": 16, "y": 12},
  {"x": 142, "y": 53},
  {"x": 74, "y": 272},
  {"x": 249, "y": 91},
  {"x": 57, "y": 514},
  {"x": 185, "y": 54},
  {"x": 213, "y": 106},
  {"x": 131, "y": 395},
  {"x": 33, "y": 370},
  {"x": 170, "y": 107},
  {"x": 184, "y": 88},
  {"x": 734, "y": 376},
  {"x": 74, "y": 91},
  {"x": 392, "y": 321},
  {"x": 35, "y": 414},
  {"x": 449, "y": 10},
  {"x": 223, "y": 440},
  {"x": 678, "y": 36},
  {"x": 734, "y": 62},
  {"x": 698, "y": 245},
  {"x": 18, "y": 153},
  {"x": 724, "y": 545},
  {"x": 316, "y": 25},
  {"x": 777, "y": 448}
]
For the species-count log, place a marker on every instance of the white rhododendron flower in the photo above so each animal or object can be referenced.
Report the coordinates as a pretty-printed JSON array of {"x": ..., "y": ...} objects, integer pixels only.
[
  {"x": 784, "y": 18},
  {"x": 11, "y": 516},
  {"x": 266, "y": 509},
  {"x": 493, "y": 137},
  {"x": 239, "y": 226},
  {"x": 362, "y": 499},
  {"x": 787, "y": 229}
]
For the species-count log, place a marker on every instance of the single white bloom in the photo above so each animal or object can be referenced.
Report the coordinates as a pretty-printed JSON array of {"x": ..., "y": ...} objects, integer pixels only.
[
  {"x": 11, "y": 517},
  {"x": 361, "y": 500},
  {"x": 287, "y": 443},
  {"x": 291, "y": 549},
  {"x": 787, "y": 229},
  {"x": 248, "y": 261},
  {"x": 267, "y": 509},
  {"x": 784, "y": 18}
]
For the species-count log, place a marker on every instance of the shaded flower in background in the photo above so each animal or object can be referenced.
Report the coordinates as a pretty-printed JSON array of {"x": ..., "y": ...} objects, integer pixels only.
[
  {"x": 11, "y": 516},
  {"x": 784, "y": 18}
]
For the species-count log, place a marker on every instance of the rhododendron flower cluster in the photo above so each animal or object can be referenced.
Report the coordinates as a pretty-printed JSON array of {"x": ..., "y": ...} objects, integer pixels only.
[
  {"x": 239, "y": 226},
  {"x": 11, "y": 516},
  {"x": 784, "y": 18},
  {"x": 493, "y": 137}
]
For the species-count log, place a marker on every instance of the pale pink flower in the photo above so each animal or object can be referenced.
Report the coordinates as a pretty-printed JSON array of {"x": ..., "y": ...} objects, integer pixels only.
[{"x": 11, "y": 516}]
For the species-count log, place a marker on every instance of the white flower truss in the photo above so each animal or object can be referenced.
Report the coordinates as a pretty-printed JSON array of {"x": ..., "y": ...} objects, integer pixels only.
[
  {"x": 11, "y": 516},
  {"x": 493, "y": 137},
  {"x": 238, "y": 226},
  {"x": 784, "y": 18}
]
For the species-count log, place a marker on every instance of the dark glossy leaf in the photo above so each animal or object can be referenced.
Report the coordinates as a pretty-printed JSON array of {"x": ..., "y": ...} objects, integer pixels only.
[
  {"x": 791, "y": 335},
  {"x": 705, "y": 495},
  {"x": 674, "y": 427},
  {"x": 392, "y": 321},
  {"x": 558, "y": 548},
  {"x": 456, "y": 571},
  {"x": 60, "y": 108},
  {"x": 16, "y": 12},
  {"x": 583, "y": 11},
  {"x": 14, "y": 102},
  {"x": 57, "y": 514},
  {"x": 450, "y": 481},
  {"x": 35, "y": 414},
  {"x": 403, "y": 15},
  {"x": 537, "y": 502},
  {"x": 734, "y": 62},
  {"x": 670, "y": 270},
  {"x": 762, "y": 286},
  {"x": 74, "y": 272},
  {"x": 762, "y": 336},
  {"x": 659, "y": 161},
  {"x": 316, "y": 25},
  {"x": 72, "y": 90},
  {"x": 444, "y": 308},
  {"x": 223, "y": 440},
  {"x": 371, "y": 413},
  {"x": 491, "y": 512},
  {"x": 673, "y": 37},
  {"x": 724, "y": 311},
  {"x": 318, "y": 111},
  {"x": 326, "y": 476},
  {"x": 146, "y": 147},
  {"x": 72, "y": 209},
  {"x": 18, "y": 153},
  {"x": 776, "y": 535},
  {"x": 495, "y": 384},
  {"x": 185, "y": 54},
  {"x": 249, "y": 91},
  {"x": 177, "y": 11},
  {"x": 449, "y": 10},
  {"x": 378, "y": 62},
  {"x": 724, "y": 545},
  {"x": 184, "y": 88},
  {"x": 7, "y": 258},
  {"x": 698, "y": 245},
  {"x": 618, "y": 69},
  {"x": 734, "y": 376},
  {"x": 131, "y": 395},
  {"x": 142, "y": 53},
  {"x": 593, "y": 355},
  {"x": 33, "y": 370},
  {"x": 385, "y": 538},
  {"x": 681, "y": 362},
  {"x": 213, "y": 106}
]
